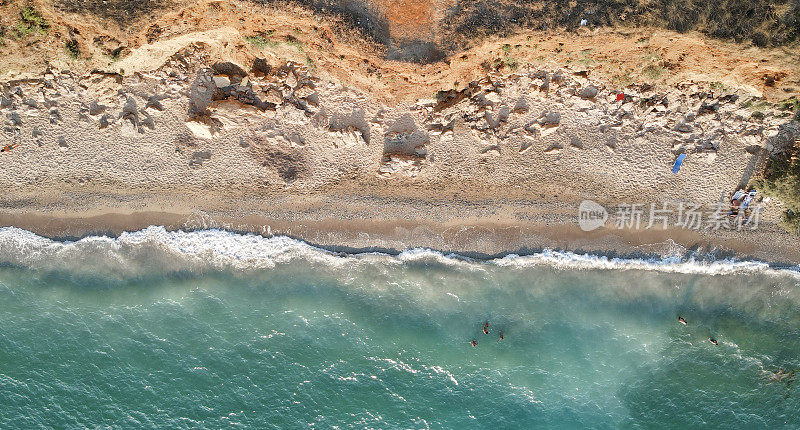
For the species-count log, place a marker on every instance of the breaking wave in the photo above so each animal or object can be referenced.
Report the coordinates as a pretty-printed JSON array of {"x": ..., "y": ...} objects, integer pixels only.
[{"x": 155, "y": 248}]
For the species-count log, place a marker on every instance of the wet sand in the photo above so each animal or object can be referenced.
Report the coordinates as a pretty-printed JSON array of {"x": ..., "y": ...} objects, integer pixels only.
[{"x": 478, "y": 229}]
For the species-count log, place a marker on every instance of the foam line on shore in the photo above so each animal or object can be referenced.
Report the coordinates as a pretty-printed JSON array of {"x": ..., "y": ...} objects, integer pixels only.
[{"x": 156, "y": 248}]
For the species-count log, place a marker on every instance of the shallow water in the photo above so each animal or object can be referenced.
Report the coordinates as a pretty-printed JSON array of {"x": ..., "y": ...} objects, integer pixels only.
[{"x": 212, "y": 329}]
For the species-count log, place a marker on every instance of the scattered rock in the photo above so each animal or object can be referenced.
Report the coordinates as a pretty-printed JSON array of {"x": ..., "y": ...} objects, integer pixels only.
[
  {"x": 204, "y": 127},
  {"x": 221, "y": 81},
  {"x": 351, "y": 135},
  {"x": 291, "y": 79},
  {"x": 261, "y": 68},
  {"x": 493, "y": 98},
  {"x": 441, "y": 129},
  {"x": 393, "y": 165},
  {"x": 521, "y": 107},
  {"x": 55, "y": 116},
  {"x": 96, "y": 109},
  {"x": 153, "y": 102},
  {"x": 199, "y": 157},
  {"x": 683, "y": 128},
  {"x": 708, "y": 108},
  {"x": 304, "y": 91},
  {"x": 14, "y": 118},
  {"x": 550, "y": 118},
  {"x": 232, "y": 71},
  {"x": 753, "y": 149},
  {"x": 787, "y": 135},
  {"x": 589, "y": 92},
  {"x": 555, "y": 148},
  {"x": 274, "y": 95},
  {"x": 105, "y": 121},
  {"x": 527, "y": 144}
]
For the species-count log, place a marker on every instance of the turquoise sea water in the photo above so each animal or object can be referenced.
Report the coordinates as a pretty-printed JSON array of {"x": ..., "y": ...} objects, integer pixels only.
[{"x": 213, "y": 330}]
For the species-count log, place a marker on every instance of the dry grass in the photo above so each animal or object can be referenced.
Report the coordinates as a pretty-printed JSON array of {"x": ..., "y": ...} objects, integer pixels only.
[
  {"x": 122, "y": 12},
  {"x": 764, "y": 22}
]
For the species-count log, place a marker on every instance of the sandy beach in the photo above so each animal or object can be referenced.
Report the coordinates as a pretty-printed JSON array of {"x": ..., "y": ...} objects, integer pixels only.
[{"x": 308, "y": 132}]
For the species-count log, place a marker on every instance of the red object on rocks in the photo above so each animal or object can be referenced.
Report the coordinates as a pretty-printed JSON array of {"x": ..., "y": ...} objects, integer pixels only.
[{"x": 620, "y": 96}]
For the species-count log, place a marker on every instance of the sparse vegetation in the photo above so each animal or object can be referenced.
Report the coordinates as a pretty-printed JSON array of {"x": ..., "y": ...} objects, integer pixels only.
[
  {"x": 586, "y": 57},
  {"x": 512, "y": 64},
  {"x": 72, "y": 48},
  {"x": 310, "y": 63},
  {"x": 622, "y": 79},
  {"x": 263, "y": 40},
  {"x": 792, "y": 105},
  {"x": 31, "y": 22},
  {"x": 762, "y": 22},
  {"x": 364, "y": 19},
  {"x": 653, "y": 71},
  {"x": 293, "y": 41},
  {"x": 123, "y": 12},
  {"x": 781, "y": 180}
]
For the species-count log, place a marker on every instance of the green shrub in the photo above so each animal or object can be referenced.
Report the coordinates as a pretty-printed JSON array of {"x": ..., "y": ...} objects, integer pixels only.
[
  {"x": 652, "y": 71},
  {"x": 781, "y": 180},
  {"x": 31, "y": 22},
  {"x": 791, "y": 104},
  {"x": 262, "y": 40},
  {"x": 512, "y": 64},
  {"x": 72, "y": 48}
]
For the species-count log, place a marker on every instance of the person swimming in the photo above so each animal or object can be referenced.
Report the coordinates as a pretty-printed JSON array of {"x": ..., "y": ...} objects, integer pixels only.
[
  {"x": 682, "y": 321},
  {"x": 486, "y": 328},
  {"x": 501, "y": 337},
  {"x": 780, "y": 375},
  {"x": 712, "y": 340},
  {"x": 474, "y": 342}
]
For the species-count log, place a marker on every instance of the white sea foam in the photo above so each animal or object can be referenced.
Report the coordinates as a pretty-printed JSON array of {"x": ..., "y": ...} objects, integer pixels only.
[
  {"x": 156, "y": 248},
  {"x": 674, "y": 264}
]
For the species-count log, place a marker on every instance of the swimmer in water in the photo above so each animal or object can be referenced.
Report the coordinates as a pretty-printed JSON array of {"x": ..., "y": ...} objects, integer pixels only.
[
  {"x": 474, "y": 342},
  {"x": 712, "y": 340},
  {"x": 681, "y": 320},
  {"x": 782, "y": 376},
  {"x": 485, "y": 331},
  {"x": 501, "y": 337}
]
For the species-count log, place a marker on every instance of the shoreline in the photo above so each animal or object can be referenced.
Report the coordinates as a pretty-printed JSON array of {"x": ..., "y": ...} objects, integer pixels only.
[{"x": 482, "y": 238}]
